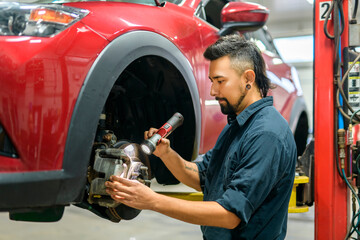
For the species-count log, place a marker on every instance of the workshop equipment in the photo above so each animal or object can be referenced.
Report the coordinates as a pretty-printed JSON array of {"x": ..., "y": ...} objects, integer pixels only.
[
  {"x": 336, "y": 89},
  {"x": 149, "y": 145}
]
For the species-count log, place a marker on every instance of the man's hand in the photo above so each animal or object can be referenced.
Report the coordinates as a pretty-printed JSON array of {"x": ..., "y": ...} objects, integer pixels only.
[
  {"x": 186, "y": 172},
  {"x": 136, "y": 195},
  {"x": 163, "y": 147},
  {"x": 131, "y": 193}
]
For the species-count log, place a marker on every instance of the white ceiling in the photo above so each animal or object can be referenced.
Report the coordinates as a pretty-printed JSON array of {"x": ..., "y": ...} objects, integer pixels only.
[{"x": 289, "y": 17}]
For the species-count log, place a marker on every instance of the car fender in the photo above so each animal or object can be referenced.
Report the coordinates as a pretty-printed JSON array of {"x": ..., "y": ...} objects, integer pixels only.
[{"x": 97, "y": 85}]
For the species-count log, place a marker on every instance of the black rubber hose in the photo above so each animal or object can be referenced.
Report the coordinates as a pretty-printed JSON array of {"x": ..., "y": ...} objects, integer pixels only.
[{"x": 353, "y": 17}]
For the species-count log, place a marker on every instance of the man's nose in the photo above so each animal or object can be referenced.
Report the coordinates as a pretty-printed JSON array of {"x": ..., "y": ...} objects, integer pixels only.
[{"x": 213, "y": 90}]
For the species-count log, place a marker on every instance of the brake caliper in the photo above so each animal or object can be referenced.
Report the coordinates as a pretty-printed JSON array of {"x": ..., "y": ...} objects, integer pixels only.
[{"x": 127, "y": 161}]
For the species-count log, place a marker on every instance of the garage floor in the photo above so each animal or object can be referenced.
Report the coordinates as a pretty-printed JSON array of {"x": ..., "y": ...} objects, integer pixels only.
[{"x": 80, "y": 224}]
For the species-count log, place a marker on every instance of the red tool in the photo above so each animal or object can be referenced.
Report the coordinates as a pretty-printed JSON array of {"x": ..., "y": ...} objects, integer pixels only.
[{"x": 149, "y": 145}]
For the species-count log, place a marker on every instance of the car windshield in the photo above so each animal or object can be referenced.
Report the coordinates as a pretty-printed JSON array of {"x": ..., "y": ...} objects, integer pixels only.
[{"x": 147, "y": 2}]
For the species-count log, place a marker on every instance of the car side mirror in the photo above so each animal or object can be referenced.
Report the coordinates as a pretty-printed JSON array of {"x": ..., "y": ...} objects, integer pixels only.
[{"x": 242, "y": 16}]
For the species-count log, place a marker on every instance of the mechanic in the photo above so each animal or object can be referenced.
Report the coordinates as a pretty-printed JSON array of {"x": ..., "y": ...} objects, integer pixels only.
[{"x": 248, "y": 176}]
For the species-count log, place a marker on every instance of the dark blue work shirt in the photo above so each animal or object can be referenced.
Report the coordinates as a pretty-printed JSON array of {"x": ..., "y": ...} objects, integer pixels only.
[{"x": 250, "y": 172}]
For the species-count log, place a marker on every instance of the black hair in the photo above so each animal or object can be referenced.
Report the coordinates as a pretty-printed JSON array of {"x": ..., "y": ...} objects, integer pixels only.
[{"x": 244, "y": 55}]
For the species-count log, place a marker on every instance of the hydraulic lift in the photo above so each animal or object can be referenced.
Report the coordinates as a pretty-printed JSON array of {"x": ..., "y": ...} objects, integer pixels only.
[{"x": 336, "y": 100}]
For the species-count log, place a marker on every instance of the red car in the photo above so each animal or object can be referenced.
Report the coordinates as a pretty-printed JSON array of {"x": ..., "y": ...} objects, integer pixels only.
[{"x": 80, "y": 80}]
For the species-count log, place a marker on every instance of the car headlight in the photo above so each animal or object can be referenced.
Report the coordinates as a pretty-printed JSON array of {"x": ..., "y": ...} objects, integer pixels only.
[{"x": 18, "y": 19}]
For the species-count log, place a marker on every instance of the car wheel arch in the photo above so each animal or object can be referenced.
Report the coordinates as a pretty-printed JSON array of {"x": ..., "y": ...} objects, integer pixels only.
[{"x": 108, "y": 66}]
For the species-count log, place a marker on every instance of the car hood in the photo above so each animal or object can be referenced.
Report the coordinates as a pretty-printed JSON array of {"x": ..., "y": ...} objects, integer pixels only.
[{"x": 111, "y": 19}]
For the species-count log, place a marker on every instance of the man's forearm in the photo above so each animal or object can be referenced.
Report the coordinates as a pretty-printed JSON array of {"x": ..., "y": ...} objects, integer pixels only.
[
  {"x": 196, "y": 212},
  {"x": 186, "y": 172}
]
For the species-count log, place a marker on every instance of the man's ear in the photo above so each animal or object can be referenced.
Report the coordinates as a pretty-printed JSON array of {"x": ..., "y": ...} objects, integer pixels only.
[{"x": 250, "y": 76}]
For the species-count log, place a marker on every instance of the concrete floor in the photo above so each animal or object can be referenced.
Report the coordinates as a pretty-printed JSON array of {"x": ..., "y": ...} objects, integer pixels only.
[{"x": 80, "y": 224}]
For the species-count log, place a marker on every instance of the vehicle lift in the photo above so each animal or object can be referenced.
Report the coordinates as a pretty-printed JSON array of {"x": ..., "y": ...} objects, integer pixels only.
[{"x": 336, "y": 90}]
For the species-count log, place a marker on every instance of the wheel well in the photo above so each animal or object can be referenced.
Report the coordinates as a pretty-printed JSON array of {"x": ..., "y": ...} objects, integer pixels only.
[
  {"x": 146, "y": 94},
  {"x": 301, "y": 133}
]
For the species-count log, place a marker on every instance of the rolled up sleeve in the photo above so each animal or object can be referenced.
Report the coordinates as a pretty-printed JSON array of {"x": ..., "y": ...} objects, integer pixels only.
[{"x": 202, "y": 164}]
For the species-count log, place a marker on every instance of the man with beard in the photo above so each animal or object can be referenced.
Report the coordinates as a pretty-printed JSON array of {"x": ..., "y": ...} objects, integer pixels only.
[{"x": 248, "y": 176}]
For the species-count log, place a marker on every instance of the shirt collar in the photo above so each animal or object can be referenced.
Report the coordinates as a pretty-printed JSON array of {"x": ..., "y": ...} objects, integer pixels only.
[{"x": 250, "y": 110}]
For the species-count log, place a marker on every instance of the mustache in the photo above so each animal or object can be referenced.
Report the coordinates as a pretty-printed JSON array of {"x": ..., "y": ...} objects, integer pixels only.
[{"x": 217, "y": 99}]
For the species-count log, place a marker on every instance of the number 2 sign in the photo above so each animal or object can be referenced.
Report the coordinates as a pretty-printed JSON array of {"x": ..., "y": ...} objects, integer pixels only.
[{"x": 324, "y": 10}]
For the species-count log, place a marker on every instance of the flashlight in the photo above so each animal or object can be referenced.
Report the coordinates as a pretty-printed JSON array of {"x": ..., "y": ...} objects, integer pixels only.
[{"x": 149, "y": 145}]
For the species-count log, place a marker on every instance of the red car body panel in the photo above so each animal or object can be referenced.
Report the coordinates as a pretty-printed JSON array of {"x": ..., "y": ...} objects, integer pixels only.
[{"x": 40, "y": 81}]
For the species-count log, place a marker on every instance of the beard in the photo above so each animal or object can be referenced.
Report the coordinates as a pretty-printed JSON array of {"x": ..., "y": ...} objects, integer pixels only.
[{"x": 229, "y": 109}]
